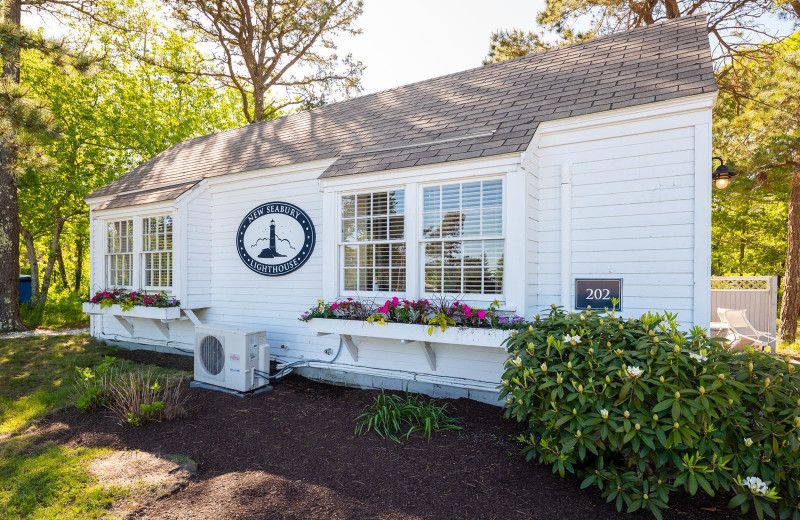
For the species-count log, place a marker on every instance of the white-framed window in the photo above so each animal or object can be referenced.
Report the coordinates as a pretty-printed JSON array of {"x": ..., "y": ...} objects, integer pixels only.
[
  {"x": 157, "y": 252},
  {"x": 462, "y": 238},
  {"x": 372, "y": 245},
  {"x": 119, "y": 253}
]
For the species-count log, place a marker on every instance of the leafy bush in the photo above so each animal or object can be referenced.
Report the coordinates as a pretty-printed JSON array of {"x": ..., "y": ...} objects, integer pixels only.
[
  {"x": 135, "y": 395},
  {"x": 62, "y": 309},
  {"x": 641, "y": 409},
  {"x": 390, "y": 415},
  {"x": 92, "y": 389}
]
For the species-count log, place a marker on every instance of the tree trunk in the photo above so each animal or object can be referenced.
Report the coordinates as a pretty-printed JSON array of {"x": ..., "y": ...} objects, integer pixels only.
[
  {"x": 790, "y": 303},
  {"x": 9, "y": 210},
  {"x": 62, "y": 271},
  {"x": 51, "y": 260},
  {"x": 30, "y": 249},
  {"x": 78, "y": 264}
]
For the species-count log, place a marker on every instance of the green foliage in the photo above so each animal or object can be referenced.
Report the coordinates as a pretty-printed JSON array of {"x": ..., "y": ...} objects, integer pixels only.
[
  {"x": 514, "y": 43},
  {"x": 137, "y": 395},
  {"x": 391, "y": 415},
  {"x": 62, "y": 310},
  {"x": 640, "y": 409}
]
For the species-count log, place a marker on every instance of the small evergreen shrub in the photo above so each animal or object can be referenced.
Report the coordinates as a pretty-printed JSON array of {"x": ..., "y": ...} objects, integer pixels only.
[
  {"x": 391, "y": 415},
  {"x": 641, "y": 409}
]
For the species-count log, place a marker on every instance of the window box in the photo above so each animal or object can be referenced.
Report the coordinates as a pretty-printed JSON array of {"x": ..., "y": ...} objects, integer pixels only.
[
  {"x": 138, "y": 311},
  {"x": 409, "y": 333}
]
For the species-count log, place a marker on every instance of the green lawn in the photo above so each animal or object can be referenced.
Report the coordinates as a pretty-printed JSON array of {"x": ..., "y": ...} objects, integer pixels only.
[
  {"x": 40, "y": 480},
  {"x": 62, "y": 310}
]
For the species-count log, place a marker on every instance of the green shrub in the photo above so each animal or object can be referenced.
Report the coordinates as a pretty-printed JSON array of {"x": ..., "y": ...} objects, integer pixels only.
[
  {"x": 92, "y": 389},
  {"x": 136, "y": 395},
  {"x": 390, "y": 415},
  {"x": 640, "y": 409}
]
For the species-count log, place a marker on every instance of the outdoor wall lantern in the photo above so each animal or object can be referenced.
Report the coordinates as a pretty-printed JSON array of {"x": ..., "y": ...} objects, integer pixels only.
[{"x": 722, "y": 175}]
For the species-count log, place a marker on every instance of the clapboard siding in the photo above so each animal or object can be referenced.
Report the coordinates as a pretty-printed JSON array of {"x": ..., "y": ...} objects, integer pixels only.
[
  {"x": 633, "y": 208},
  {"x": 198, "y": 248}
]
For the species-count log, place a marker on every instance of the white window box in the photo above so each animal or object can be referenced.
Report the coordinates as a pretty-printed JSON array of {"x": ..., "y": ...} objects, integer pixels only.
[
  {"x": 138, "y": 311},
  {"x": 160, "y": 315},
  {"x": 408, "y": 333}
]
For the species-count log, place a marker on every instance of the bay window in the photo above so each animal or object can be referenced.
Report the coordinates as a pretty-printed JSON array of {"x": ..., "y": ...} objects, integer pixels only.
[
  {"x": 372, "y": 243},
  {"x": 119, "y": 253},
  {"x": 139, "y": 253}
]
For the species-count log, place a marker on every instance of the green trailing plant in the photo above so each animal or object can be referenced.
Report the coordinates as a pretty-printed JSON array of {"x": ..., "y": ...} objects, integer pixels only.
[
  {"x": 397, "y": 417},
  {"x": 641, "y": 409}
]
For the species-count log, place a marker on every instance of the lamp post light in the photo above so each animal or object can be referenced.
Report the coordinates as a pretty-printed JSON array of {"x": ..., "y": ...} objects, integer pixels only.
[{"x": 722, "y": 175}]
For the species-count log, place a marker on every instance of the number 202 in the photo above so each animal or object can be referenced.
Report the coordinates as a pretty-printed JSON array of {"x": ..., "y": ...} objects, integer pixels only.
[{"x": 598, "y": 294}]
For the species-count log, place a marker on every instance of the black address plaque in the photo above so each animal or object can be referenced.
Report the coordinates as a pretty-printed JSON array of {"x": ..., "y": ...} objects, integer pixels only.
[{"x": 597, "y": 293}]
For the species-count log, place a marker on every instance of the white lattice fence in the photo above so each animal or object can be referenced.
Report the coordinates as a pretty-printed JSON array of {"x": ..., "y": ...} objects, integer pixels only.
[{"x": 757, "y": 294}]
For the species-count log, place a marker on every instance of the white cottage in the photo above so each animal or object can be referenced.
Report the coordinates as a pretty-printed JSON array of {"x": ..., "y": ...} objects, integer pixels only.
[{"x": 515, "y": 182}]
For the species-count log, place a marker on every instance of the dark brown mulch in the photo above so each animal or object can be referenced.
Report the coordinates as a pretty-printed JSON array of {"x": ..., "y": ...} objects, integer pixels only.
[
  {"x": 149, "y": 357},
  {"x": 291, "y": 454}
]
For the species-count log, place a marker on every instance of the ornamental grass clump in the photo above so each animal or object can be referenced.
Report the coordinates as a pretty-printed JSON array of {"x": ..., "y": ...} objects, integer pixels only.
[
  {"x": 397, "y": 417},
  {"x": 641, "y": 409}
]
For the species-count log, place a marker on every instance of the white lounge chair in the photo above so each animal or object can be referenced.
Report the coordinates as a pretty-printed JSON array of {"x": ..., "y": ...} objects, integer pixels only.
[{"x": 742, "y": 333}]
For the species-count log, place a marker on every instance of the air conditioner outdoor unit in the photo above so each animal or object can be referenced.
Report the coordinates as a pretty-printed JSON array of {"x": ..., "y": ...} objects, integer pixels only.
[{"x": 227, "y": 356}]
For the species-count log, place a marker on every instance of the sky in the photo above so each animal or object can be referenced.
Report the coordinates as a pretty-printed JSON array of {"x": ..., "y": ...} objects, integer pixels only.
[{"x": 411, "y": 40}]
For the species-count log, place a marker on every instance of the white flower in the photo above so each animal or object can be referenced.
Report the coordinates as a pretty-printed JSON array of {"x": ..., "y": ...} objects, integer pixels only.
[
  {"x": 633, "y": 372},
  {"x": 698, "y": 357},
  {"x": 604, "y": 413},
  {"x": 506, "y": 382},
  {"x": 543, "y": 366},
  {"x": 748, "y": 442},
  {"x": 509, "y": 400},
  {"x": 567, "y": 338},
  {"x": 572, "y": 339},
  {"x": 755, "y": 485},
  {"x": 517, "y": 362}
]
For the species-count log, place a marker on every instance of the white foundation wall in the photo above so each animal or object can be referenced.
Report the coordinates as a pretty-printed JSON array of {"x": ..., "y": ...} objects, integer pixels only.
[{"x": 640, "y": 206}]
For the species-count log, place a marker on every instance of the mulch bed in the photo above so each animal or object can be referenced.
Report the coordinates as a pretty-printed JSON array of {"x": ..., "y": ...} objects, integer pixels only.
[{"x": 291, "y": 454}]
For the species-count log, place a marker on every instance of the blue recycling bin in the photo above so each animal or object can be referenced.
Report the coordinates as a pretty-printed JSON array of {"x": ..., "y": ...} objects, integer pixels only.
[{"x": 24, "y": 289}]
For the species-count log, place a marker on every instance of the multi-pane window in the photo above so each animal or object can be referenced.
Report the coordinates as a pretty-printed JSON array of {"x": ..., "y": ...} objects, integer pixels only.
[
  {"x": 119, "y": 253},
  {"x": 372, "y": 246},
  {"x": 462, "y": 235},
  {"x": 157, "y": 252}
]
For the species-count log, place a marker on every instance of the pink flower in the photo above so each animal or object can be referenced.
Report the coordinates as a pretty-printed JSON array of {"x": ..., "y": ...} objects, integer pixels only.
[
  {"x": 481, "y": 315},
  {"x": 385, "y": 308},
  {"x": 334, "y": 306},
  {"x": 467, "y": 311},
  {"x": 349, "y": 299},
  {"x": 395, "y": 301}
]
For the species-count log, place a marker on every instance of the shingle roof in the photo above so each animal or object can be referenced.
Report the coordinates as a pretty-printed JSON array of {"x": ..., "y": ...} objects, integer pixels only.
[
  {"x": 502, "y": 103},
  {"x": 147, "y": 196}
]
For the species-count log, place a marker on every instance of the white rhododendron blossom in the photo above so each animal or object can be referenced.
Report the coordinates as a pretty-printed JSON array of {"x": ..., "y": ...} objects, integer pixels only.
[
  {"x": 755, "y": 485},
  {"x": 748, "y": 442},
  {"x": 604, "y": 413},
  {"x": 570, "y": 339},
  {"x": 633, "y": 372},
  {"x": 698, "y": 357},
  {"x": 517, "y": 362}
]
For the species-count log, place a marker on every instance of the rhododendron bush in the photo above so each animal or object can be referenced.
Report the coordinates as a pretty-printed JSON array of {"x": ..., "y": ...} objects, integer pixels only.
[
  {"x": 439, "y": 313},
  {"x": 641, "y": 409},
  {"x": 128, "y": 299}
]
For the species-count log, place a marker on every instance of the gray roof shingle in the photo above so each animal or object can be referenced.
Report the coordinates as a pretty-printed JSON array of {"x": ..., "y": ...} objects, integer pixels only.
[{"x": 437, "y": 120}]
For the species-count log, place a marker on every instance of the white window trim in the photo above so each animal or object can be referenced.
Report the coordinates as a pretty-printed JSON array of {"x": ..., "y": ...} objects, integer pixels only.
[
  {"x": 339, "y": 271},
  {"x": 142, "y": 253},
  {"x": 420, "y": 259},
  {"x": 138, "y": 253},
  {"x": 107, "y": 254},
  {"x": 515, "y": 195}
]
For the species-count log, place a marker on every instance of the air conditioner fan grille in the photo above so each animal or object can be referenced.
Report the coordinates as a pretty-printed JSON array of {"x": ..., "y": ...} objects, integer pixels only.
[{"x": 212, "y": 355}]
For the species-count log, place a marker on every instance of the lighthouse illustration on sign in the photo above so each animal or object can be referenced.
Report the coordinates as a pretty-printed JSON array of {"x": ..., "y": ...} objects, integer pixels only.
[
  {"x": 288, "y": 225},
  {"x": 271, "y": 252}
]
